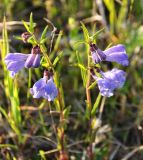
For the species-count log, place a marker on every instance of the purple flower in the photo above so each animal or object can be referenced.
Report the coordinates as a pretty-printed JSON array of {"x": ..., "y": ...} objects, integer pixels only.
[
  {"x": 16, "y": 61},
  {"x": 109, "y": 81},
  {"x": 114, "y": 54},
  {"x": 44, "y": 88}
]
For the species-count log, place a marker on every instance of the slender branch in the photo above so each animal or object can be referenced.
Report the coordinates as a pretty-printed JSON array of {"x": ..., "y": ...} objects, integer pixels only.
[
  {"x": 52, "y": 33},
  {"x": 88, "y": 96},
  {"x": 52, "y": 119},
  {"x": 89, "y": 105},
  {"x": 130, "y": 154},
  {"x": 102, "y": 107}
]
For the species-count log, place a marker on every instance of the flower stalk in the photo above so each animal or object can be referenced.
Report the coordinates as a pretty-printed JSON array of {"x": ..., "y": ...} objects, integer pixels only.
[
  {"x": 61, "y": 136},
  {"x": 89, "y": 105},
  {"x": 63, "y": 155}
]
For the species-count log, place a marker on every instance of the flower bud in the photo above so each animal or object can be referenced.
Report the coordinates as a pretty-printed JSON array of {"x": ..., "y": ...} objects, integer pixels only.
[
  {"x": 36, "y": 50},
  {"x": 34, "y": 58},
  {"x": 48, "y": 74},
  {"x": 97, "y": 54},
  {"x": 25, "y": 36}
]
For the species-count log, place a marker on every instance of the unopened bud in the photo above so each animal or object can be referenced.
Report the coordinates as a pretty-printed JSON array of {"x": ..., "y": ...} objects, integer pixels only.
[
  {"x": 48, "y": 74},
  {"x": 93, "y": 47},
  {"x": 97, "y": 69},
  {"x": 36, "y": 50},
  {"x": 25, "y": 36}
]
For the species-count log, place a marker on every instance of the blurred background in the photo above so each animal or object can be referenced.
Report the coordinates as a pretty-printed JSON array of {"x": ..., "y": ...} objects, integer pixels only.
[{"x": 25, "y": 123}]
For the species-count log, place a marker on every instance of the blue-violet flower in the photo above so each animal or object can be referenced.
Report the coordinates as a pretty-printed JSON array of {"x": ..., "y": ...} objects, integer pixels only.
[
  {"x": 16, "y": 61},
  {"x": 109, "y": 81},
  {"x": 114, "y": 54},
  {"x": 44, "y": 88}
]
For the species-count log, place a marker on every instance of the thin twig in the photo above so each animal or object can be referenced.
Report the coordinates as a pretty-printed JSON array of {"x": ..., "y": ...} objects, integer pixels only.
[
  {"x": 76, "y": 143},
  {"x": 52, "y": 33},
  {"x": 130, "y": 154},
  {"x": 52, "y": 119},
  {"x": 45, "y": 138},
  {"x": 114, "y": 152},
  {"x": 102, "y": 107},
  {"x": 12, "y": 24}
]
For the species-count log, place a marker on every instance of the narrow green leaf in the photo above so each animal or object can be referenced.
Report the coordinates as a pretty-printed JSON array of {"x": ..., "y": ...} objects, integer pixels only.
[
  {"x": 56, "y": 60},
  {"x": 31, "y": 26},
  {"x": 122, "y": 14},
  {"x": 26, "y": 26},
  {"x": 83, "y": 71},
  {"x": 96, "y": 104},
  {"x": 31, "y": 40},
  {"x": 43, "y": 40},
  {"x": 18, "y": 37},
  {"x": 66, "y": 111},
  {"x": 8, "y": 145},
  {"x": 43, "y": 36},
  {"x": 110, "y": 4},
  {"x": 85, "y": 31},
  {"x": 80, "y": 66},
  {"x": 57, "y": 43},
  {"x": 3, "y": 112},
  {"x": 79, "y": 43},
  {"x": 92, "y": 85},
  {"x": 15, "y": 110},
  {"x": 97, "y": 33},
  {"x": 109, "y": 45},
  {"x": 42, "y": 154}
]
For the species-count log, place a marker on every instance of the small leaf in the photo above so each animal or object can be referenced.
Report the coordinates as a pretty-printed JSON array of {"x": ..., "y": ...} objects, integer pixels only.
[
  {"x": 83, "y": 71},
  {"x": 43, "y": 36},
  {"x": 86, "y": 33},
  {"x": 44, "y": 64},
  {"x": 109, "y": 45},
  {"x": 18, "y": 37},
  {"x": 66, "y": 111},
  {"x": 43, "y": 40},
  {"x": 58, "y": 58},
  {"x": 26, "y": 26},
  {"x": 80, "y": 66},
  {"x": 92, "y": 85},
  {"x": 96, "y": 34},
  {"x": 31, "y": 40},
  {"x": 31, "y": 26},
  {"x": 42, "y": 154},
  {"x": 4, "y": 112},
  {"x": 96, "y": 104},
  {"x": 79, "y": 42}
]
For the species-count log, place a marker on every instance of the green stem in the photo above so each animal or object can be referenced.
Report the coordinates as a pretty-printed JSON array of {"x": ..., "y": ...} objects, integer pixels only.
[
  {"x": 89, "y": 105},
  {"x": 61, "y": 125},
  {"x": 44, "y": 51},
  {"x": 88, "y": 96}
]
